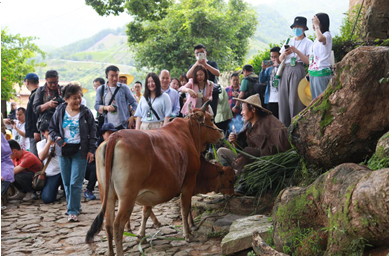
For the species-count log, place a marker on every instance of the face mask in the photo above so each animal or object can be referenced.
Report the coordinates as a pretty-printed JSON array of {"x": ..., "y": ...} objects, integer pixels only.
[{"x": 298, "y": 31}]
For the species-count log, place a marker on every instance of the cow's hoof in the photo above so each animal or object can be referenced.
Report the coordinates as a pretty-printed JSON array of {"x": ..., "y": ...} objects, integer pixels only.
[
  {"x": 190, "y": 238},
  {"x": 140, "y": 239},
  {"x": 128, "y": 229},
  {"x": 157, "y": 225},
  {"x": 194, "y": 228}
]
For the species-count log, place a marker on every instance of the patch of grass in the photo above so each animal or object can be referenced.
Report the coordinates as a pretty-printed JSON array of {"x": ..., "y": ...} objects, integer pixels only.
[
  {"x": 376, "y": 163},
  {"x": 222, "y": 233}
]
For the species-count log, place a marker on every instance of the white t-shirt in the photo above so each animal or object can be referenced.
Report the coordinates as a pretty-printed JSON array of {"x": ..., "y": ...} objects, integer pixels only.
[
  {"x": 304, "y": 46},
  {"x": 273, "y": 97},
  {"x": 53, "y": 167},
  {"x": 23, "y": 141},
  {"x": 320, "y": 55}
]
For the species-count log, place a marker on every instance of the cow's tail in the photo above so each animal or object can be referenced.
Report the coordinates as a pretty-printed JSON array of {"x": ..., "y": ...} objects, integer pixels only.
[{"x": 98, "y": 222}]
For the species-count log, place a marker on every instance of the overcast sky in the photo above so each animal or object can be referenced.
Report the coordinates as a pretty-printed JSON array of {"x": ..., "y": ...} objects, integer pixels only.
[{"x": 59, "y": 22}]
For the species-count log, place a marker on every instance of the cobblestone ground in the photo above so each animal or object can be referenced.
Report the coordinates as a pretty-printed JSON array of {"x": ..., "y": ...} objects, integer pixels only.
[{"x": 33, "y": 228}]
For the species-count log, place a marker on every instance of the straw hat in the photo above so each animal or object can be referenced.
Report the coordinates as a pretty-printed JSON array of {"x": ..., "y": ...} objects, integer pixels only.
[
  {"x": 255, "y": 101},
  {"x": 304, "y": 92},
  {"x": 130, "y": 78}
]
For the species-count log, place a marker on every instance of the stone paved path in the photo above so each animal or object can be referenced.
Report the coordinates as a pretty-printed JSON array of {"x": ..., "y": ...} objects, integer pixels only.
[{"x": 33, "y": 228}]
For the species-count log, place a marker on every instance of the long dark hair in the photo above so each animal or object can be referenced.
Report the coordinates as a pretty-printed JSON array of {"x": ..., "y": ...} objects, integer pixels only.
[
  {"x": 157, "y": 82},
  {"x": 199, "y": 67},
  {"x": 324, "y": 21},
  {"x": 182, "y": 77},
  {"x": 259, "y": 112}
]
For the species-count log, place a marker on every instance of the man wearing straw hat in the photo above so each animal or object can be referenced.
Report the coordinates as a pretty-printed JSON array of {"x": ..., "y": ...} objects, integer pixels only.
[{"x": 262, "y": 135}]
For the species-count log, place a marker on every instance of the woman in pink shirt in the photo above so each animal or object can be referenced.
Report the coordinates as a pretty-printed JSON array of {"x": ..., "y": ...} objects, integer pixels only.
[{"x": 198, "y": 88}]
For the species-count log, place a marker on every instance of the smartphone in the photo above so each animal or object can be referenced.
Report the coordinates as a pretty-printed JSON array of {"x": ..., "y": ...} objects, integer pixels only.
[
  {"x": 201, "y": 56},
  {"x": 268, "y": 62},
  {"x": 60, "y": 142},
  {"x": 286, "y": 46}
]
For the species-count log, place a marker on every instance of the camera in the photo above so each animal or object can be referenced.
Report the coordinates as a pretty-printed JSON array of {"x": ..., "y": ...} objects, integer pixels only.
[
  {"x": 286, "y": 46},
  {"x": 59, "y": 99}
]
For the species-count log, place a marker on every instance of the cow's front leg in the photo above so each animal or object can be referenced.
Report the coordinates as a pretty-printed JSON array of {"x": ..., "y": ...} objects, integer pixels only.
[
  {"x": 191, "y": 223},
  {"x": 142, "y": 230},
  {"x": 185, "y": 208}
]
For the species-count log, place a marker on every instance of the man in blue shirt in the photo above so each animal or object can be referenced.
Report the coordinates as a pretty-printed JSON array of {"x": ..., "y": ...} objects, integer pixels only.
[
  {"x": 267, "y": 75},
  {"x": 114, "y": 100},
  {"x": 164, "y": 76}
]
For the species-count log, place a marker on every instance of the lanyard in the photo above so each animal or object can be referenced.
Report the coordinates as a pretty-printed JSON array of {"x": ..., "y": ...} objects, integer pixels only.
[
  {"x": 49, "y": 94},
  {"x": 295, "y": 54}
]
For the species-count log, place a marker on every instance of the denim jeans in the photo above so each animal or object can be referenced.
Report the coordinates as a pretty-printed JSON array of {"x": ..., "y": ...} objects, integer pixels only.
[
  {"x": 50, "y": 190},
  {"x": 318, "y": 85},
  {"x": 73, "y": 172}
]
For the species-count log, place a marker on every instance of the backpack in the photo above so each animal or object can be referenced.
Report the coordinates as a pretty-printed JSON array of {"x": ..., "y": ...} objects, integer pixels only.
[{"x": 255, "y": 87}]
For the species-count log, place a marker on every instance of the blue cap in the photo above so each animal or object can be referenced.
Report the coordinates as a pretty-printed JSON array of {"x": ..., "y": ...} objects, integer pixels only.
[
  {"x": 31, "y": 76},
  {"x": 108, "y": 127}
]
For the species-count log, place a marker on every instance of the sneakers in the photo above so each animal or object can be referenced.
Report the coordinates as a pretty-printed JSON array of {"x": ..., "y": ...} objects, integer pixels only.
[
  {"x": 89, "y": 195},
  {"x": 30, "y": 196},
  {"x": 18, "y": 196},
  {"x": 72, "y": 218}
]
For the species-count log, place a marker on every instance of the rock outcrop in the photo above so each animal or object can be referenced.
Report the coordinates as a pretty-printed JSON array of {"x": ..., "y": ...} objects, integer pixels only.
[
  {"x": 382, "y": 149},
  {"x": 345, "y": 122},
  {"x": 240, "y": 236},
  {"x": 350, "y": 203}
]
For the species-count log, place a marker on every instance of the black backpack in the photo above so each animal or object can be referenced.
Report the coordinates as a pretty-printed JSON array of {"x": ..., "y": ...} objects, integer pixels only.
[{"x": 255, "y": 87}]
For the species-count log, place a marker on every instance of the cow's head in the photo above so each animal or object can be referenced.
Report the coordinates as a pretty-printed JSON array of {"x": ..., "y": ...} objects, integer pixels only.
[
  {"x": 209, "y": 132},
  {"x": 227, "y": 178}
]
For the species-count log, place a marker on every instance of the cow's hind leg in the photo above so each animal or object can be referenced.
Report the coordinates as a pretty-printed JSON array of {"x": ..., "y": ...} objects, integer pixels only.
[
  {"x": 145, "y": 215},
  {"x": 156, "y": 223},
  {"x": 123, "y": 215},
  {"x": 128, "y": 225},
  {"x": 109, "y": 219}
]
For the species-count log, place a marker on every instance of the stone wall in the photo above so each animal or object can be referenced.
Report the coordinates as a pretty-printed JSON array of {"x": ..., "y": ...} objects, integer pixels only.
[{"x": 375, "y": 19}]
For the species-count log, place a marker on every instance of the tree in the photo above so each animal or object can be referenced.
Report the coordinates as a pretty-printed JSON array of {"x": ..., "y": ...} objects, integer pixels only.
[
  {"x": 16, "y": 61},
  {"x": 163, "y": 33}
]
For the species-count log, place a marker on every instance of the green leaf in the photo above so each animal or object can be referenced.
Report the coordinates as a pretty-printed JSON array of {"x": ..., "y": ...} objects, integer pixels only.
[{"x": 129, "y": 234}]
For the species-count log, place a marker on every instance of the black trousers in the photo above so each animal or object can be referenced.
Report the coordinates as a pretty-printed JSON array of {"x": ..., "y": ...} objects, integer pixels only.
[
  {"x": 23, "y": 181},
  {"x": 90, "y": 175},
  {"x": 273, "y": 107},
  {"x": 224, "y": 126}
]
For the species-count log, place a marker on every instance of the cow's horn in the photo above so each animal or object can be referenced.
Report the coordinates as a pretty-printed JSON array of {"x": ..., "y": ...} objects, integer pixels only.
[
  {"x": 205, "y": 106},
  {"x": 190, "y": 107}
]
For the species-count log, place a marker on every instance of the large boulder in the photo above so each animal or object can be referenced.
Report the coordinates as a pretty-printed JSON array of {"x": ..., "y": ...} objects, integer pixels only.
[
  {"x": 343, "y": 211},
  {"x": 345, "y": 122},
  {"x": 382, "y": 149}
]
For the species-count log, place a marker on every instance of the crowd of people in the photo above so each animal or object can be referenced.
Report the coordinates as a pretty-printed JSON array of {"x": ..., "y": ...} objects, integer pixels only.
[{"x": 59, "y": 134}]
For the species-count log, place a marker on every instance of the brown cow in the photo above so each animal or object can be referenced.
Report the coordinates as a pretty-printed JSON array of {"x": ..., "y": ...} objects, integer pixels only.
[
  {"x": 151, "y": 167},
  {"x": 210, "y": 178}
]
